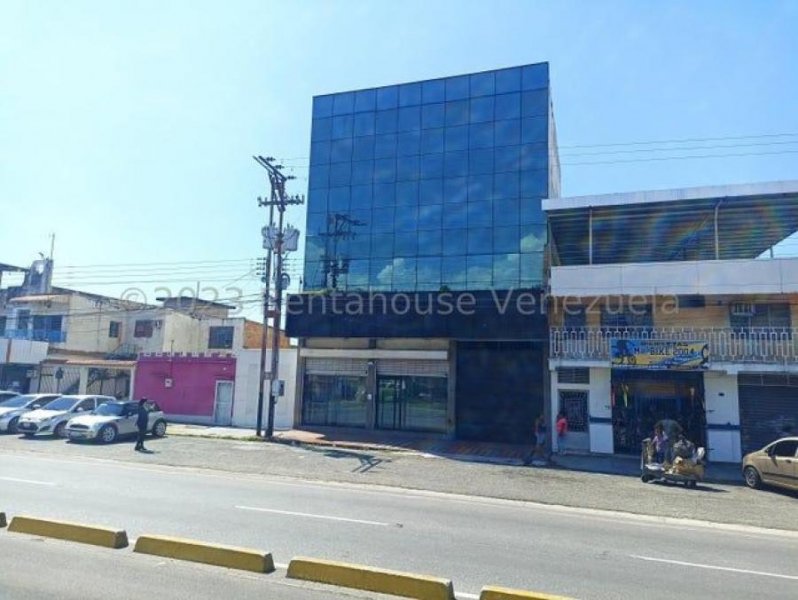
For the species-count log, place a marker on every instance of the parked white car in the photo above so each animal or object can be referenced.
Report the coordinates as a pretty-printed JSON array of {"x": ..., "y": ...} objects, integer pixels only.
[
  {"x": 115, "y": 419},
  {"x": 52, "y": 418},
  {"x": 16, "y": 406}
]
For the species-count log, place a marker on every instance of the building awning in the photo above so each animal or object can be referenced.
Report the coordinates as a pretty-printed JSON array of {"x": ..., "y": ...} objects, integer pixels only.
[{"x": 673, "y": 225}]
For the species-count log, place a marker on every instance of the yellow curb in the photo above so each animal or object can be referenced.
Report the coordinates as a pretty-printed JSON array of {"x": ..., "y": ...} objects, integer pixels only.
[
  {"x": 361, "y": 577},
  {"x": 3, "y": 521},
  {"x": 501, "y": 593},
  {"x": 231, "y": 557},
  {"x": 73, "y": 532}
]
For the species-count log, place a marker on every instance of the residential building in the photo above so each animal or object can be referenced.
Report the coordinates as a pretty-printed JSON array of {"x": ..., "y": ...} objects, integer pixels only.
[
  {"x": 675, "y": 304},
  {"x": 425, "y": 253}
]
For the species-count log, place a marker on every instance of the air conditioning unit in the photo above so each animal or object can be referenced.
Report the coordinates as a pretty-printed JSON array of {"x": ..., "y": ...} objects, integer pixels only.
[{"x": 743, "y": 309}]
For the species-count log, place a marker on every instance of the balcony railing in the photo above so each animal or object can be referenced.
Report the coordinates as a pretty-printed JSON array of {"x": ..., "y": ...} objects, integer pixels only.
[
  {"x": 54, "y": 336},
  {"x": 762, "y": 345}
]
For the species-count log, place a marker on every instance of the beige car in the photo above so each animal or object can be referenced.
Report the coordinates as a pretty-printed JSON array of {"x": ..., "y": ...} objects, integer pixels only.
[{"x": 776, "y": 464}]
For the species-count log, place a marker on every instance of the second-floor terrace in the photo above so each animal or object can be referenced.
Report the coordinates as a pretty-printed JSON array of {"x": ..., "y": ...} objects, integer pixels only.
[{"x": 710, "y": 240}]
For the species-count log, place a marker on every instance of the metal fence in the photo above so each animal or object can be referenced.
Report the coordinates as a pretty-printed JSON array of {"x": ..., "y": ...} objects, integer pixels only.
[{"x": 763, "y": 345}]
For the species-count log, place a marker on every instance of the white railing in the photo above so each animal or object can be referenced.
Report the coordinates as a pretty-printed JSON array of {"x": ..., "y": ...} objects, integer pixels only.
[{"x": 764, "y": 345}]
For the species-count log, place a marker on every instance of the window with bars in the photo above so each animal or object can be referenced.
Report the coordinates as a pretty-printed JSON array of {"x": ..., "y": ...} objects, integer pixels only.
[{"x": 573, "y": 404}]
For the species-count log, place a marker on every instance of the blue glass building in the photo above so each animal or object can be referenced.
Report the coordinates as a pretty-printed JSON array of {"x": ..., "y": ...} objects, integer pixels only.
[{"x": 436, "y": 187}]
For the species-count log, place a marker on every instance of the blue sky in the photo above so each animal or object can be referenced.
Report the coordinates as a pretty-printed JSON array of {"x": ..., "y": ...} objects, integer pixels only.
[{"x": 127, "y": 128}]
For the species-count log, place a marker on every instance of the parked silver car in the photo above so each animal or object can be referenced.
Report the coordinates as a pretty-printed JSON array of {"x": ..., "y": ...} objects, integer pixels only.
[
  {"x": 6, "y": 394},
  {"x": 16, "y": 406},
  {"x": 52, "y": 417},
  {"x": 114, "y": 419}
]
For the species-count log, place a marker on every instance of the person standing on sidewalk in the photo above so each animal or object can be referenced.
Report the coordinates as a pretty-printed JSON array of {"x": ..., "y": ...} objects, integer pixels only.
[
  {"x": 142, "y": 422},
  {"x": 538, "y": 455},
  {"x": 562, "y": 432}
]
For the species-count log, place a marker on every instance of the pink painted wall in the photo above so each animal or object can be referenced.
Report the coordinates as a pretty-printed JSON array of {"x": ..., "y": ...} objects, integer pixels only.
[{"x": 193, "y": 381}]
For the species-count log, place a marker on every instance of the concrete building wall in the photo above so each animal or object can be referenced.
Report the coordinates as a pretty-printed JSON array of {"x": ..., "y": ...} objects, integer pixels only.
[{"x": 245, "y": 406}]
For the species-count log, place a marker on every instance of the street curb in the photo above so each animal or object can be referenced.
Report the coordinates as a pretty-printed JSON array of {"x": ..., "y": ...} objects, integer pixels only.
[
  {"x": 3, "y": 521},
  {"x": 371, "y": 579},
  {"x": 232, "y": 557},
  {"x": 501, "y": 593},
  {"x": 72, "y": 532}
]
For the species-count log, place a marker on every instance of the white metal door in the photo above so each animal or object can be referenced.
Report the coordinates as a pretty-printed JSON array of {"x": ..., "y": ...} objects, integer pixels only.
[{"x": 223, "y": 404}]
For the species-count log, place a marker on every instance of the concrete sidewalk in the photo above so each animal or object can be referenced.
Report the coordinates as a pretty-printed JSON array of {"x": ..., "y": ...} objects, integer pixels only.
[{"x": 495, "y": 453}]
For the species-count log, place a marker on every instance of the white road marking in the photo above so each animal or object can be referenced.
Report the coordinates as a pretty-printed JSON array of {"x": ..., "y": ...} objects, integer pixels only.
[
  {"x": 31, "y": 481},
  {"x": 312, "y": 516},
  {"x": 466, "y": 596},
  {"x": 715, "y": 567}
]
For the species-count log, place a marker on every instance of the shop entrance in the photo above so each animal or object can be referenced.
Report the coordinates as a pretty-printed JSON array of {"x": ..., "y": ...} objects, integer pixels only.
[{"x": 641, "y": 398}]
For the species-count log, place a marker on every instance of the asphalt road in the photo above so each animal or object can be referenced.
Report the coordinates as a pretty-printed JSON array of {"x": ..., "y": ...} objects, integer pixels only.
[
  {"x": 474, "y": 541},
  {"x": 37, "y": 569}
]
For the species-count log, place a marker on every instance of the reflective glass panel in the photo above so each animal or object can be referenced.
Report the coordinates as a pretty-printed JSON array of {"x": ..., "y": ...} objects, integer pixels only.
[
  {"x": 505, "y": 185},
  {"x": 387, "y": 97},
  {"x": 364, "y": 124},
  {"x": 409, "y": 94},
  {"x": 383, "y": 220},
  {"x": 365, "y": 100},
  {"x": 409, "y": 118},
  {"x": 317, "y": 222},
  {"x": 429, "y": 216},
  {"x": 432, "y": 141},
  {"x": 384, "y": 194},
  {"x": 386, "y": 121},
  {"x": 483, "y": 84},
  {"x": 480, "y": 270},
  {"x": 342, "y": 126},
  {"x": 341, "y": 150},
  {"x": 535, "y": 76},
  {"x": 382, "y": 245},
  {"x": 319, "y": 176},
  {"x": 363, "y": 147},
  {"x": 405, "y": 243},
  {"x": 322, "y": 106},
  {"x": 507, "y": 158},
  {"x": 481, "y": 110},
  {"x": 453, "y": 269},
  {"x": 455, "y": 216},
  {"x": 532, "y": 268},
  {"x": 343, "y": 103},
  {"x": 455, "y": 163},
  {"x": 480, "y": 214},
  {"x": 340, "y": 173},
  {"x": 428, "y": 270},
  {"x": 431, "y": 166},
  {"x": 531, "y": 211},
  {"x": 455, "y": 190},
  {"x": 432, "y": 115},
  {"x": 533, "y": 238},
  {"x": 534, "y": 156},
  {"x": 457, "y": 88},
  {"x": 505, "y": 271},
  {"x": 320, "y": 152},
  {"x": 480, "y": 162},
  {"x": 535, "y": 103},
  {"x": 408, "y": 143},
  {"x": 455, "y": 242},
  {"x": 508, "y": 106},
  {"x": 339, "y": 199},
  {"x": 480, "y": 135},
  {"x": 380, "y": 271},
  {"x": 430, "y": 241},
  {"x": 361, "y": 197},
  {"x": 430, "y": 191},
  {"x": 457, "y": 112},
  {"x": 508, "y": 133},
  {"x": 534, "y": 129},
  {"x": 457, "y": 138},
  {"x": 505, "y": 239},
  {"x": 534, "y": 184},
  {"x": 362, "y": 171},
  {"x": 433, "y": 91},
  {"x": 407, "y": 168},
  {"x": 404, "y": 274},
  {"x": 385, "y": 145},
  {"x": 407, "y": 193},
  {"x": 480, "y": 188},
  {"x": 505, "y": 212},
  {"x": 385, "y": 170},
  {"x": 508, "y": 80},
  {"x": 322, "y": 130}
]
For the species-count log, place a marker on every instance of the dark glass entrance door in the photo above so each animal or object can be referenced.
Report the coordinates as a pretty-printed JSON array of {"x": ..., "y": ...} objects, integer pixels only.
[
  {"x": 390, "y": 404},
  {"x": 411, "y": 403}
]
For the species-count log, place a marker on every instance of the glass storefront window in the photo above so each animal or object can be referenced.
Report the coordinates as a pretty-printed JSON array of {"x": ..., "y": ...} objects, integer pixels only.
[
  {"x": 334, "y": 400},
  {"x": 412, "y": 403}
]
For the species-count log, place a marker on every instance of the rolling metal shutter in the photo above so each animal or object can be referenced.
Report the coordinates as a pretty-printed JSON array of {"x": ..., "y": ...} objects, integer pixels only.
[
  {"x": 419, "y": 368},
  {"x": 768, "y": 409},
  {"x": 336, "y": 366}
]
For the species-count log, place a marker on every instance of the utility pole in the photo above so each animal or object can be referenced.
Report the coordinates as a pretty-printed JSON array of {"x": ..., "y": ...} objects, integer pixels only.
[{"x": 276, "y": 241}]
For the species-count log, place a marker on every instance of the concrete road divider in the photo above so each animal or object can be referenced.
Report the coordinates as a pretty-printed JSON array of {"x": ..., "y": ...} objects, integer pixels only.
[
  {"x": 500, "y": 593},
  {"x": 73, "y": 532},
  {"x": 231, "y": 557},
  {"x": 2, "y": 520},
  {"x": 360, "y": 577}
]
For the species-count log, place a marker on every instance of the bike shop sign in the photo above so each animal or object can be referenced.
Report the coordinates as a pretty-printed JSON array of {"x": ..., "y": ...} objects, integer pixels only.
[{"x": 658, "y": 354}]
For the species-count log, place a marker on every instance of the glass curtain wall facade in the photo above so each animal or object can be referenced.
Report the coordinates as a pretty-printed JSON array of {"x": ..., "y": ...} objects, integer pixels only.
[{"x": 431, "y": 185}]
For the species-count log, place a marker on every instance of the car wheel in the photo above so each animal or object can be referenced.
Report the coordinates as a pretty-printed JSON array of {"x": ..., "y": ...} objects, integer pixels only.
[
  {"x": 752, "y": 478},
  {"x": 107, "y": 434},
  {"x": 29, "y": 435},
  {"x": 59, "y": 430},
  {"x": 12, "y": 425},
  {"x": 645, "y": 478},
  {"x": 159, "y": 429}
]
